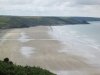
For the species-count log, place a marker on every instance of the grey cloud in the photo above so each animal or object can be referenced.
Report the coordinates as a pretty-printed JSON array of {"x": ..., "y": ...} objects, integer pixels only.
[
  {"x": 87, "y": 2},
  {"x": 50, "y": 7}
]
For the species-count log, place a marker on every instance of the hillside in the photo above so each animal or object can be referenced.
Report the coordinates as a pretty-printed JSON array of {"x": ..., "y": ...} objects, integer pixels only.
[
  {"x": 19, "y": 21},
  {"x": 87, "y": 18},
  {"x": 8, "y": 68}
]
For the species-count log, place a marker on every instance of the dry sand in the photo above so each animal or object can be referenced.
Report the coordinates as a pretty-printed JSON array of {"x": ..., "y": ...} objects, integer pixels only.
[{"x": 42, "y": 50}]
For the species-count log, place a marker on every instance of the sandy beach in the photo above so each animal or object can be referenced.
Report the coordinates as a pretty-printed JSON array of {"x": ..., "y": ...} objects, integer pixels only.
[{"x": 37, "y": 46}]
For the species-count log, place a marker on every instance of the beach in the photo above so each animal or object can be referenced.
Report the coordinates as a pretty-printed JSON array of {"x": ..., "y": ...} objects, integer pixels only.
[{"x": 51, "y": 48}]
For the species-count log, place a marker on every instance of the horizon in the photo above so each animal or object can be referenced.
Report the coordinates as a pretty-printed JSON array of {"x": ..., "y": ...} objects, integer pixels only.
[{"x": 46, "y": 16}]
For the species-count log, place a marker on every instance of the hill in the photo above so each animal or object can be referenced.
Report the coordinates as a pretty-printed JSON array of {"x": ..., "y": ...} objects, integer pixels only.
[
  {"x": 8, "y": 68},
  {"x": 87, "y": 18},
  {"x": 26, "y": 21}
]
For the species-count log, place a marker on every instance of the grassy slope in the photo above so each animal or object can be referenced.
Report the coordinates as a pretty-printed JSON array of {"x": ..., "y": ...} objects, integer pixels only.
[
  {"x": 18, "y": 22},
  {"x": 11, "y": 69}
]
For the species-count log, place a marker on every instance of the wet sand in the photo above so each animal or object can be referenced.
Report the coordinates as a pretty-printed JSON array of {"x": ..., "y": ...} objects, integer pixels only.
[{"x": 36, "y": 47}]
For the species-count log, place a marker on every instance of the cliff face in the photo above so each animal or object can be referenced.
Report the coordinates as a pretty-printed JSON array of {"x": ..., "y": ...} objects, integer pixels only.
[{"x": 18, "y": 22}]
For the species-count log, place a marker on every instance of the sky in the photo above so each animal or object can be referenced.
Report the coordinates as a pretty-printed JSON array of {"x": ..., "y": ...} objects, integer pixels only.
[{"x": 50, "y": 7}]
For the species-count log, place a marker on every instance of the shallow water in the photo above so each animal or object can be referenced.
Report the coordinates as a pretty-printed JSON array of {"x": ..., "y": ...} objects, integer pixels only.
[
  {"x": 27, "y": 51},
  {"x": 82, "y": 38},
  {"x": 23, "y": 37},
  {"x": 64, "y": 50}
]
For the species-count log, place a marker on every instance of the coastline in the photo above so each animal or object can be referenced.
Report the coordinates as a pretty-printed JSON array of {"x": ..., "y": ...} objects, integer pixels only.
[
  {"x": 79, "y": 46},
  {"x": 43, "y": 50}
]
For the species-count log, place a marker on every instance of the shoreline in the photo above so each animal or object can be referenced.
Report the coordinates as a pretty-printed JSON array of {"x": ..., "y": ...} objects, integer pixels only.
[{"x": 44, "y": 51}]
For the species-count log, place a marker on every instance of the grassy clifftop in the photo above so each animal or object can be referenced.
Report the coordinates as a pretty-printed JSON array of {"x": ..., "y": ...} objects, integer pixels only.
[
  {"x": 8, "y": 68},
  {"x": 22, "y": 21}
]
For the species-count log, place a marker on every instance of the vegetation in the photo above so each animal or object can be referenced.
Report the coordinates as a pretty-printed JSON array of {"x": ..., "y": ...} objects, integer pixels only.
[
  {"x": 19, "y": 22},
  {"x": 26, "y": 21},
  {"x": 8, "y": 68}
]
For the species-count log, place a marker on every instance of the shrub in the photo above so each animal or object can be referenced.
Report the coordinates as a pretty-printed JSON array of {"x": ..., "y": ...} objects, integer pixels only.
[
  {"x": 6, "y": 60},
  {"x": 8, "y": 68}
]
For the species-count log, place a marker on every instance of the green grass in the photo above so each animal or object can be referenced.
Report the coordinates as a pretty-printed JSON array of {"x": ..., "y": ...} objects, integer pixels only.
[
  {"x": 4, "y": 20},
  {"x": 7, "y": 68},
  {"x": 21, "y": 22}
]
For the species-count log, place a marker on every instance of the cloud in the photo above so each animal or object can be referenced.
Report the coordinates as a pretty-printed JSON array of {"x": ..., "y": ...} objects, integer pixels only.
[
  {"x": 50, "y": 7},
  {"x": 88, "y": 2}
]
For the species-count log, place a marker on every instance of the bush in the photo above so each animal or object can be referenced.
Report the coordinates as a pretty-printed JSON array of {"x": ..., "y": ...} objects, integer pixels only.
[
  {"x": 8, "y": 68},
  {"x": 6, "y": 60}
]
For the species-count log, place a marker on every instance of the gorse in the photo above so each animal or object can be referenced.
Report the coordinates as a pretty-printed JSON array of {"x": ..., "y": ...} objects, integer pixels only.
[{"x": 8, "y": 68}]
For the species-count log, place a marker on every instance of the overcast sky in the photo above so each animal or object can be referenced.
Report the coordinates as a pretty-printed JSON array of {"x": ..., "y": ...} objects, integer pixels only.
[{"x": 50, "y": 7}]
